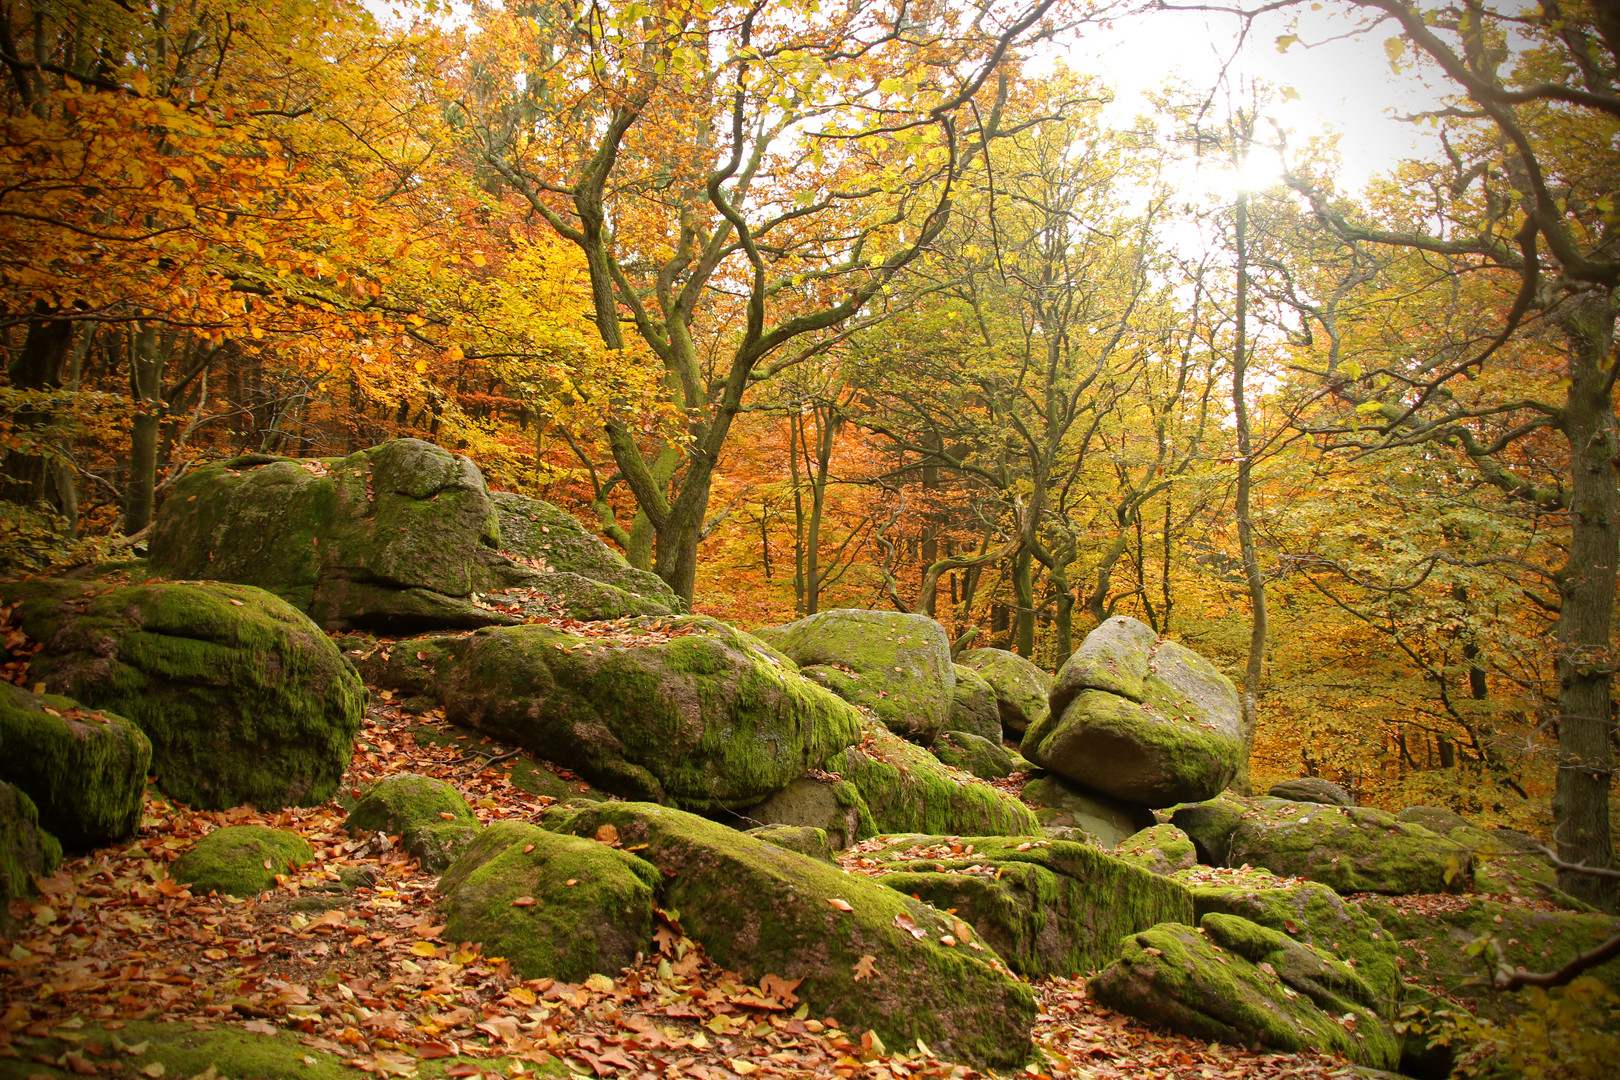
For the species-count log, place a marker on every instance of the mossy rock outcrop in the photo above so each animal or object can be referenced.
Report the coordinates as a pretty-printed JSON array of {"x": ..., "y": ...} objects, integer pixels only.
[
  {"x": 817, "y": 800},
  {"x": 1236, "y": 982},
  {"x": 973, "y": 706},
  {"x": 1140, "y": 717},
  {"x": 896, "y": 665},
  {"x": 1210, "y": 825},
  {"x": 973, "y": 753},
  {"x": 1506, "y": 862},
  {"x": 243, "y": 698},
  {"x": 228, "y": 1051},
  {"x": 1047, "y": 907},
  {"x": 759, "y": 909},
  {"x": 1350, "y": 849},
  {"x": 403, "y": 536},
  {"x": 1062, "y": 804},
  {"x": 26, "y": 850},
  {"x": 432, "y": 820},
  {"x": 240, "y": 860},
  {"x": 1314, "y": 915},
  {"x": 84, "y": 769},
  {"x": 805, "y": 839},
  {"x": 1158, "y": 849},
  {"x": 682, "y": 710},
  {"x": 1021, "y": 688},
  {"x": 555, "y": 906},
  {"x": 908, "y": 790},
  {"x": 1433, "y": 944},
  {"x": 1311, "y": 789}
]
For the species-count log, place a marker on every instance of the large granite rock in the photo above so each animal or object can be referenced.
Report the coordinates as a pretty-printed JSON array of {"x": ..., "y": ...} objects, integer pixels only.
[
  {"x": 907, "y": 790},
  {"x": 1158, "y": 849},
  {"x": 1236, "y": 982},
  {"x": 1210, "y": 825},
  {"x": 1311, "y": 789},
  {"x": 401, "y": 537},
  {"x": 240, "y": 860},
  {"x": 243, "y": 698},
  {"x": 818, "y": 800},
  {"x": 873, "y": 957},
  {"x": 1506, "y": 862},
  {"x": 1047, "y": 907},
  {"x": 26, "y": 850},
  {"x": 973, "y": 754},
  {"x": 1021, "y": 687},
  {"x": 84, "y": 769},
  {"x": 682, "y": 710},
  {"x": 973, "y": 706},
  {"x": 555, "y": 906},
  {"x": 1348, "y": 848},
  {"x": 1141, "y": 718},
  {"x": 896, "y": 665}
]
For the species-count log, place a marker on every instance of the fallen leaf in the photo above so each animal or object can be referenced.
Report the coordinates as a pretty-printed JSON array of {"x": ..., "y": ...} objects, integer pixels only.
[
  {"x": 841, "y": 905},
  {"x": 863, "y": 968},
  {"x": 526, "y": 901}
]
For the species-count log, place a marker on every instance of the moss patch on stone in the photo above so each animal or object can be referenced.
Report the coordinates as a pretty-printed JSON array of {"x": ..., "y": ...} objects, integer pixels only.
[
  {"x": 26, "y": 850},
  {"x": 1052, "y": 908},
  {"x": 1158, "y": 849},
  {"x": 834, "y": 808},
  {"x": 85, "y": 770},
  {"x": 973, "y": 754},
  {"x": 1020, "y": 687},
  {"x": 1350, "y": 849},
  {"x": 896, "y": 665},
  {"x": 240, "y": 860},
  {"x": 432, "y": 820},
  {"x": 1209, "y": 825},
  {"x": 973, "y": 706},
  {"x": 805, "y": 839},
  {"x": 759, "y": 909},
  {"x": 907, "y": 790},
  {"x": 1061, "y": 803},
  {"x": 243, "y": 698},
  {"x": 554, "y": 905}
]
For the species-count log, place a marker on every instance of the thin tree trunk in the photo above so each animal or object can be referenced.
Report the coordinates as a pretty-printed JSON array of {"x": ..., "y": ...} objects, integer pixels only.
[
  {"x": 1250, "y": 702},
  {"x": 147, "y": 377}
]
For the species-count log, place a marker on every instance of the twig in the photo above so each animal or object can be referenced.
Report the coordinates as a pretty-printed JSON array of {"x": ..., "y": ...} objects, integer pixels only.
[
  {"x": 496, "y": 760},
  {"x": 1512, "y": 979}
]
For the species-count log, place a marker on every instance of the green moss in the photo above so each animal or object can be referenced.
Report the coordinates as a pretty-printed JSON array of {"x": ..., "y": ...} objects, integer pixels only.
[
  {"x": 26, "y": 850},
  {"x": 699, "y": 715},
  {"x": 907, "y": 790},
  {"x": 973, "y": 754},
  {"x": 1061, "y": 803},
  {"x": 1020, "y": 687},
  {"x": 1158, "y": 849},
  {"x": 1348, "y": 848},
  {"x": 499, "y": 836},
  {"x": 240, "y": 860},
  {"x": 805, "y": 839},
  {"x": 834, "y": 808},
  {"x": 1177, "y": 977},
  {"x": 429, "y": 816},
  {"x": 243, "y": 698},
  {"x": 230, "y": 1052},
  {"x": 1054, "y": 908},
  {"x": 555, "y": 906},
  {"x": 1317, "y": 916},
  {"x": 86, "y": 775},
  {"x": 896, "y": 665},
  {"x": 759, "y": 909},
  {"x": 973, "y": 706},
  {"x": 1209, "y": 825},
  {"x": 540, "y": 531}
]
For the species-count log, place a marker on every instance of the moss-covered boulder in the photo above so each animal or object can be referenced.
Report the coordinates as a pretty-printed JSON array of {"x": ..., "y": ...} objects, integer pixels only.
[
  {"x": 403, "y": 536},
  {"x": 1061, "y": 804},
  {"x": 973, "y": 706},
  {"x": 973, "y": 753},
  {"x": 1440, "y": 948},
  {"x": 908, "y": 790},
  {"x": 243, "y": 698},
  {"x": 1021, "y": 687},
  {"x": 682, "y": 710},
  {"x": 1311, "y": 789},
  {"x": 805, "y": 839},
  {"x": 432, "y": 820},
  {"x": 872, "y": 957},
  {"x": 1233, "y": 981},
  {"x": 1141, "y": 718},
  {"x": 1506, "y": 862},
  {"x": 84, "y": 769},
  {"x": 1047, "y": 907},
  {"x": 1210, "y": 825},
  {"x": 1348, "y": 848},
  {"x": 818, "y": 800},
  {"x": 240, "y": 860},
  {"x": 1158, "y": 849},
  {"x": 896, "y": 665},
  {"x": 1314, "y": 915},
  {"x": 26, "y": 850},
  {"x": 555, "y": 906}
]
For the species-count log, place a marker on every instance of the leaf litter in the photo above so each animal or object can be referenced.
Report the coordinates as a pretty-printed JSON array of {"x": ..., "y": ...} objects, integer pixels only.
[{"x": 364, "y": 974}]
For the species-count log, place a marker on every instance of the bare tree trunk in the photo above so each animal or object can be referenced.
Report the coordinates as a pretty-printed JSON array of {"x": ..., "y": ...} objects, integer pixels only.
[
  {"x": 1587, "y": 590},
  {"x": 147, "y": 382},
  {"x": 1250, "y": 702}
]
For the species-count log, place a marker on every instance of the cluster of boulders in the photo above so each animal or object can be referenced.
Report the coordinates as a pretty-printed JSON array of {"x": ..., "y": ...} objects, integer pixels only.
[{"x": 838, "y": 800}]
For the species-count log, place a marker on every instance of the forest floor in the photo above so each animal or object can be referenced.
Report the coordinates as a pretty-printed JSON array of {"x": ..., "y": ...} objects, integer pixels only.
[{"x": 364, "y": 976}]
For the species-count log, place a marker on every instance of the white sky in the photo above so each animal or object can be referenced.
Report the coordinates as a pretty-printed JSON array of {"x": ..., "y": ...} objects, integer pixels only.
[{"x": 1345, "y": 86}]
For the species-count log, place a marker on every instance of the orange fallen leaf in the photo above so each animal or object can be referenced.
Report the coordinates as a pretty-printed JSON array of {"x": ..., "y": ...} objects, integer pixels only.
[
  {"x": 527, "y": 901},
  {"x": 841, "y": 904}
]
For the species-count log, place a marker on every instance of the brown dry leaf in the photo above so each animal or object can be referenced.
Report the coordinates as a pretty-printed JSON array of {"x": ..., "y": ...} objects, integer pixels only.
[
  {"x": 609, "y": 835},
  {"x": 841, "y": 904},
  {"x": 526, "y": 901},
  {"x": 863, "y": 968}
]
